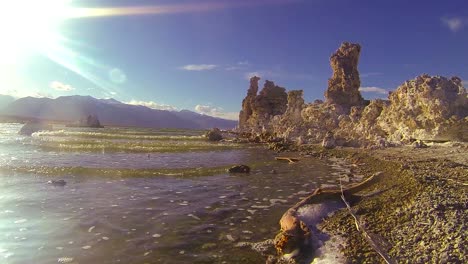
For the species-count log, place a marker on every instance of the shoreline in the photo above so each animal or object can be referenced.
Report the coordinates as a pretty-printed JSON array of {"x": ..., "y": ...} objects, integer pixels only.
[{"x": 417, "y": 211}]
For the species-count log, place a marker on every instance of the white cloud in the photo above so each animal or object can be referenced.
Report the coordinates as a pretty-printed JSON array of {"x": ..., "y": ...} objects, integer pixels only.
[
  {"x": 465, "y": 84},
  {"x": 59, "y": 86},
  {"x": 243, "y": 63},
  {"x": 153, "y": 105},
  {"x": 373, "y": 89},
  {"x": 455, "y": 23},
  {"x": 216, "y": 112},
  {"x": 199, "y": 67}
]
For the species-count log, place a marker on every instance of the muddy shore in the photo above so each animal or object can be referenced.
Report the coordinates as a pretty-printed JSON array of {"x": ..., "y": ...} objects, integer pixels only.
[{"x": 417, "y": 211}]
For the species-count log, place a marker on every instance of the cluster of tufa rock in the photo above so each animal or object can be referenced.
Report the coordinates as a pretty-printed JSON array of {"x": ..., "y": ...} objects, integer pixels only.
[{"x": 427, "y": 108}]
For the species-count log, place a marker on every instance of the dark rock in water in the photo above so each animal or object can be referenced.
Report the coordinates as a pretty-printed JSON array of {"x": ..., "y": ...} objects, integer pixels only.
[
  {"x": 57, "y": 182},
  {"x": 239, "y": 169},
  {"x": 214, "y": 135},
  {"x": 29, "y": 128},
  {"x": 87, "y": 121}
]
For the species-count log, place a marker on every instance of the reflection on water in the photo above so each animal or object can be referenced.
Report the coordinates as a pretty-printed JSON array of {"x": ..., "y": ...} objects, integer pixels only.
[{"x": 164, "y": 219}]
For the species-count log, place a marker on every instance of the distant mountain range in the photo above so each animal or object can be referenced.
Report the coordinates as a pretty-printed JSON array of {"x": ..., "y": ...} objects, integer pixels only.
[{"x": 109, "y": 112}]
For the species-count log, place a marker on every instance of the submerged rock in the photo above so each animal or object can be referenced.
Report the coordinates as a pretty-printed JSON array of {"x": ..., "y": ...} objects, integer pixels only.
[
  {"x": 239, "y": 169},
  {"x": 57, "y": 182},
  {"x": 32, "y": 127}
]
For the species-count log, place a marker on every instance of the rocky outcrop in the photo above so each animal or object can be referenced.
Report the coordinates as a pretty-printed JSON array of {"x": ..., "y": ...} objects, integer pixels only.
[
  {"x": 258, "y": 110},
  {"x": 32, "y": 127},
  {"x": 427, "y": 107},
  {"x": 343, "y": 86}
]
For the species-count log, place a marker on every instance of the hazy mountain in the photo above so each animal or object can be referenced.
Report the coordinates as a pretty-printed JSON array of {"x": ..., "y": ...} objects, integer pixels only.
[
  {"x": 5, "y": 100},
  {"x": 110, "y": 112}
]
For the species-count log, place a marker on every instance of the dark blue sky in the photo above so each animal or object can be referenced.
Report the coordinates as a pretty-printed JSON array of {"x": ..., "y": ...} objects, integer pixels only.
[{"x": 182, "y": 57}]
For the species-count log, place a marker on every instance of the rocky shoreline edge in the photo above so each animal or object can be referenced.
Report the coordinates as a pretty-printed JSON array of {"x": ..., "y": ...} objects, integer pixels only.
[{"x": 416, "y": 210}]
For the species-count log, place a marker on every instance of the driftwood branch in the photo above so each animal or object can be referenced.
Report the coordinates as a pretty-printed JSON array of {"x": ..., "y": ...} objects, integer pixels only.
[
  {"x": 364, "y": 232},
  {"x": 291, "y": 160},
  {"x": 294, "y": 233}
]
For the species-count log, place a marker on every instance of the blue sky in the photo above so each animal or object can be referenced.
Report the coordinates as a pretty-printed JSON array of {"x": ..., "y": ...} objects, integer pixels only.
[{"x": 198, "y": 55}]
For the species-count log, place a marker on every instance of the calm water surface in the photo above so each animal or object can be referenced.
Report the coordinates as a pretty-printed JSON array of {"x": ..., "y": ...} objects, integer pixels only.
[{"x": 141, "y": 196}]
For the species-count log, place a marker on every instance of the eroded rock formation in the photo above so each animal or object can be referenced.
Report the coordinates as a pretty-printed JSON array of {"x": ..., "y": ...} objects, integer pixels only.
[
  {"x": 343, "y": 86},
  {"x": 248, "y": 103},
  {"x": 257, "y": 110}
]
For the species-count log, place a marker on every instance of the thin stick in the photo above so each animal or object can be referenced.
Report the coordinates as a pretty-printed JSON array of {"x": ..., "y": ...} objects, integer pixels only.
[{"x": 364, "y": 232}]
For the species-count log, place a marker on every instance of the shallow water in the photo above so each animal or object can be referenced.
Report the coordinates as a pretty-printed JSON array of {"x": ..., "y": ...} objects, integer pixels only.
[{"x": 190, "y": 212}]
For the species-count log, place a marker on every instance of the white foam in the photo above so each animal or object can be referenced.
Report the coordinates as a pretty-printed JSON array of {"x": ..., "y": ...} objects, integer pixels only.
[{"x": 330, "y": 251}]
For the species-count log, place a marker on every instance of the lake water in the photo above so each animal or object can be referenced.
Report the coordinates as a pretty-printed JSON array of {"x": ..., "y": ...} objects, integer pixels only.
[{"x": 142, "y": 196}]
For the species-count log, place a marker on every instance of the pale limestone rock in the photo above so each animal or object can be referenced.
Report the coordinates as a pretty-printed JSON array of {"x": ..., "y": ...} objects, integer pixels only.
[{"x": 428, "y": 107}]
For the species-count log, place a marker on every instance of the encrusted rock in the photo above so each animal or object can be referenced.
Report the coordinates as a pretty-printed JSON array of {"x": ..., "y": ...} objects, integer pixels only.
[{"x": 343, "y": 86}]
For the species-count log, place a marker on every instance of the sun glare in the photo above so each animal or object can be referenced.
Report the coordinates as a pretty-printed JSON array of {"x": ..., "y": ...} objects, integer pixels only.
[{"x": 29, "y": 26}]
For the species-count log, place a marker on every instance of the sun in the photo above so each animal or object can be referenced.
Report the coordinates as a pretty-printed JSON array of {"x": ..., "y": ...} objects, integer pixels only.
[{"x": 28, "y": 26}]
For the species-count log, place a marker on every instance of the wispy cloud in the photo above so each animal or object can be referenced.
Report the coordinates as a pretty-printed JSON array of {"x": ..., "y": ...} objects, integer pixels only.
[
  {"x": 199, "y": 67},
  {"x": 373, "y": 89},
  {"x": 153, "y": 105},
  {"x": 370, "y": 74},
  {"x": 455, "y": 23},
  {"x": 59, "y": 86},
  {"x": 216, "y": 112},
  {"x": 241, "y": 65},
  {"x": 205, "y": 6}
]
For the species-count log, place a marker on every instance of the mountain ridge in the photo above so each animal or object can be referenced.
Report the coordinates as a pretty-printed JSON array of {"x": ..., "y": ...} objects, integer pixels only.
[{"x": 110, "y": 112}]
